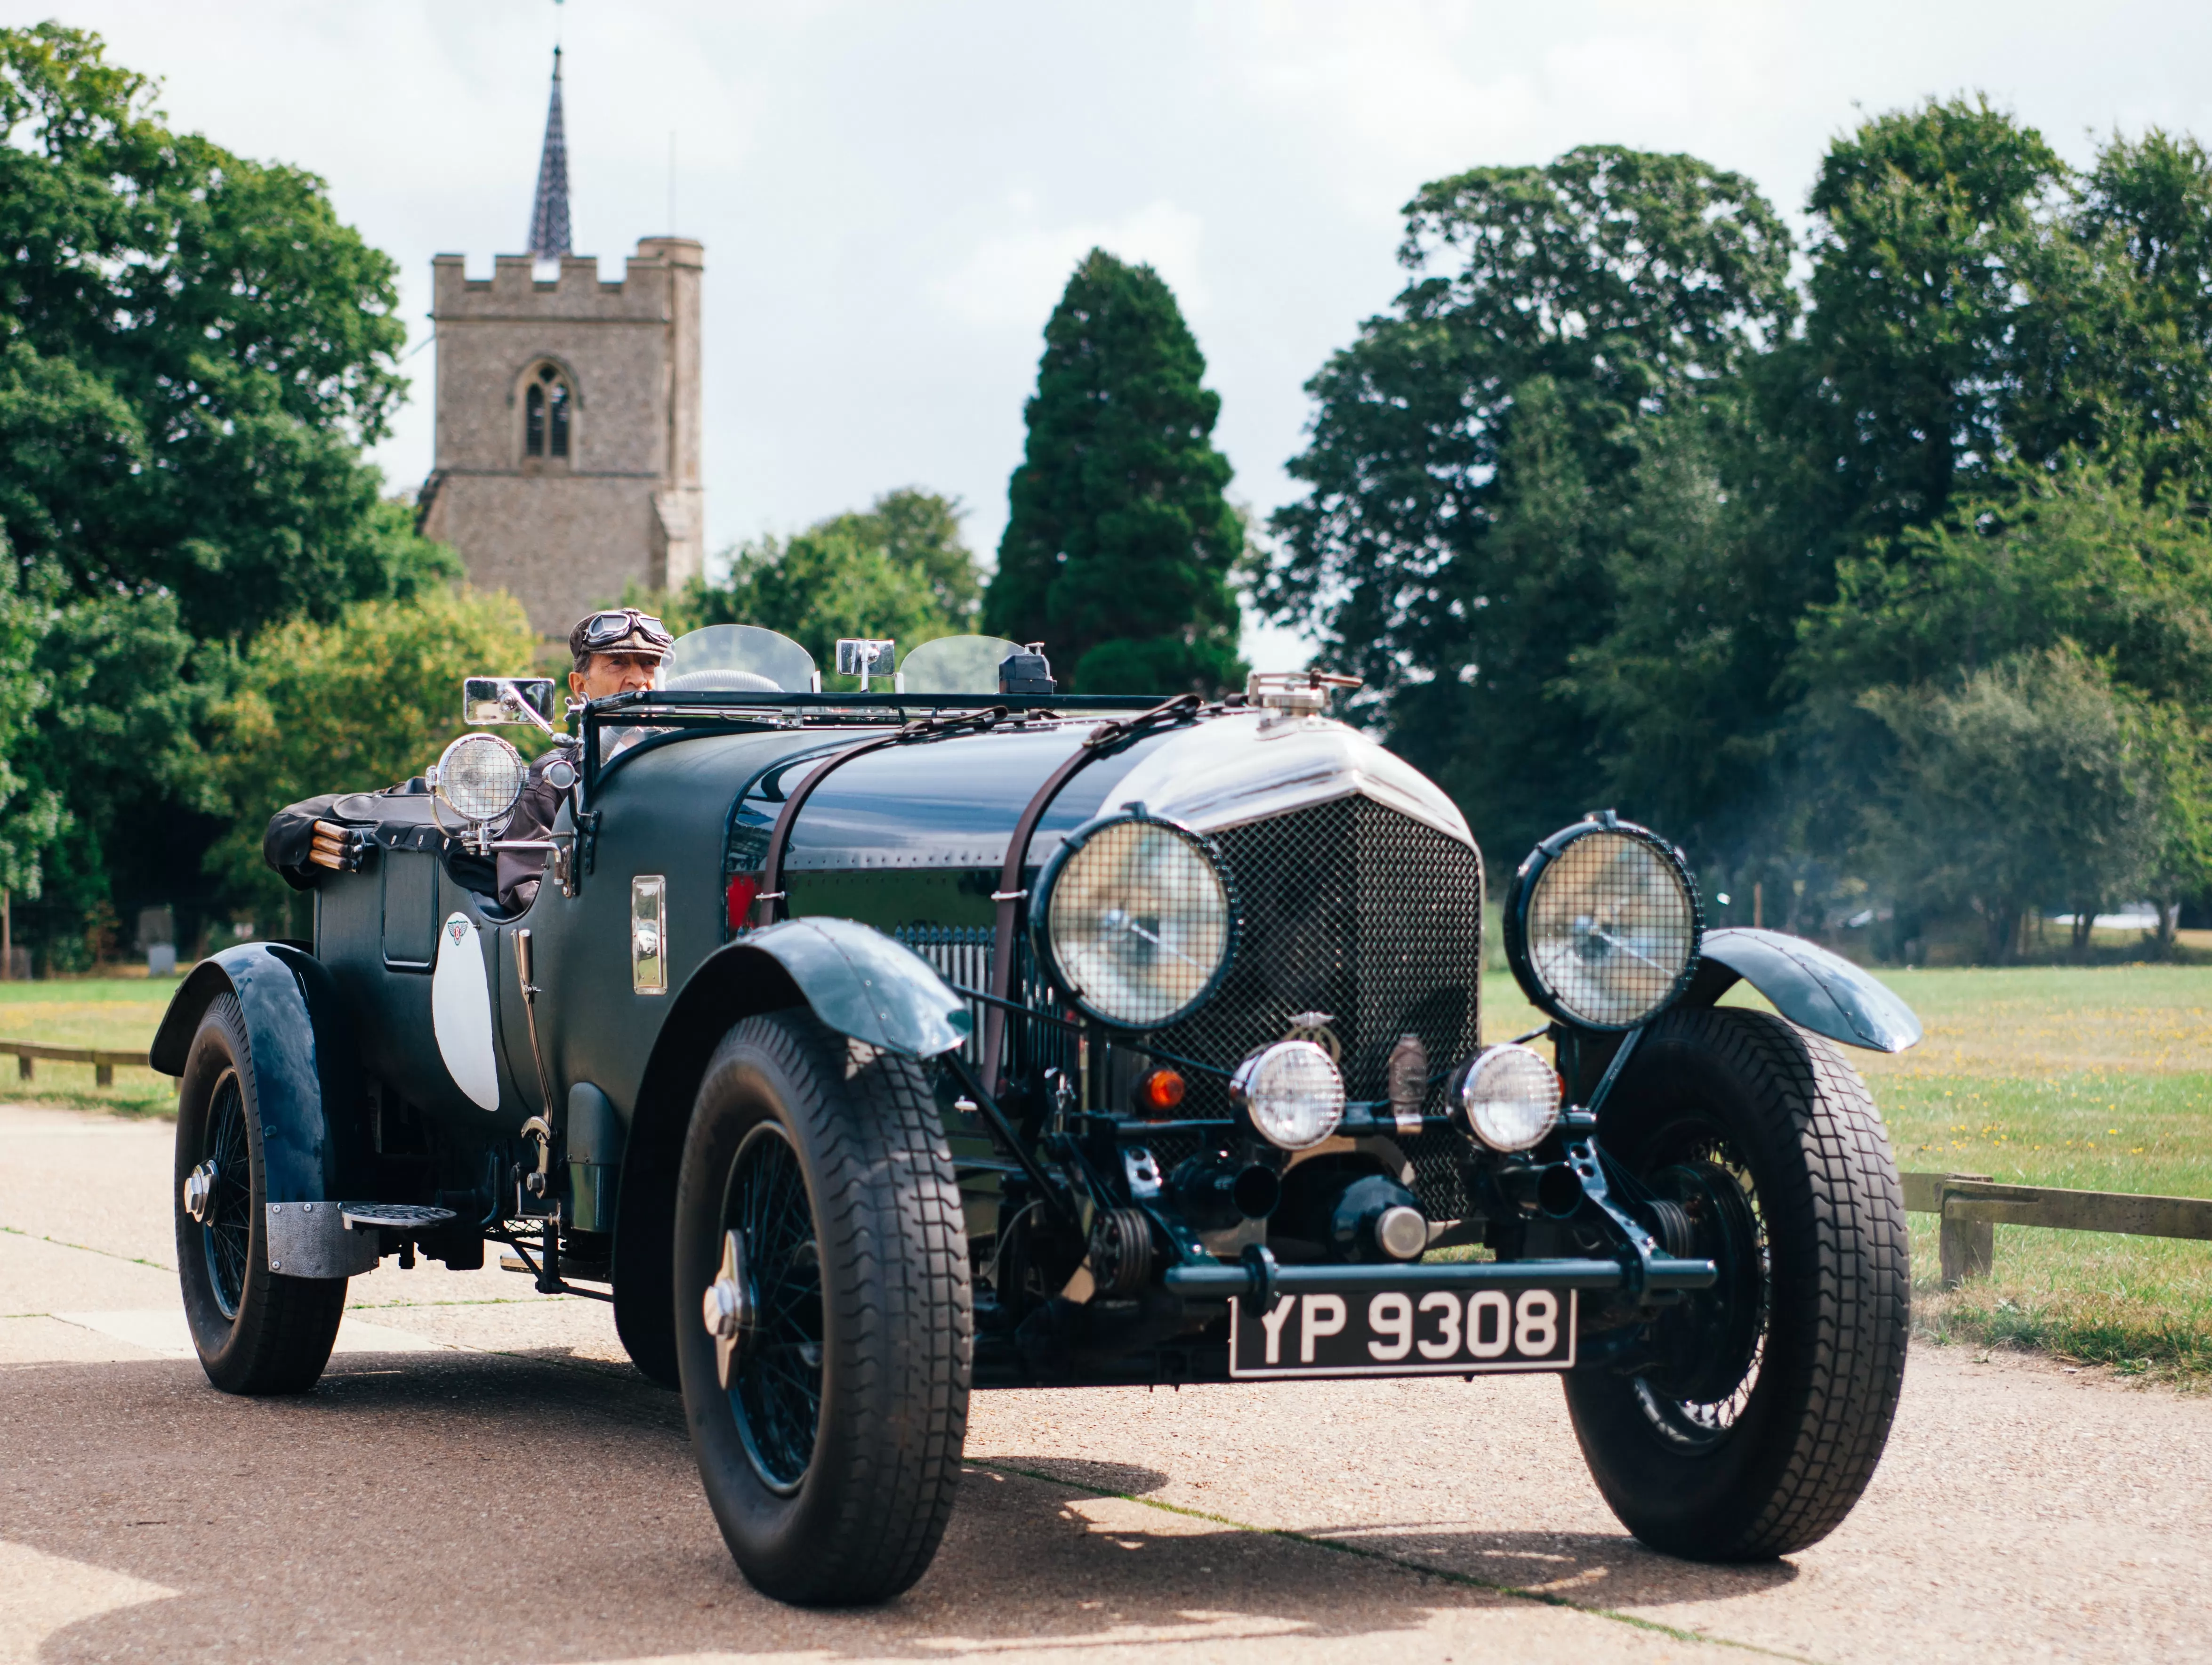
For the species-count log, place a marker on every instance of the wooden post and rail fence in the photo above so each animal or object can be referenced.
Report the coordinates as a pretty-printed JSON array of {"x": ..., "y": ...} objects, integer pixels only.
[
  {"x": 104, "y": 1062},
  {"x": 1972, "y": 1205}
]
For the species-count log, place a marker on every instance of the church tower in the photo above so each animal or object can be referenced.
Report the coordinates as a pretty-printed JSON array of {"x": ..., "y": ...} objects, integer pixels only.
[{"x": 568, "y": 414}]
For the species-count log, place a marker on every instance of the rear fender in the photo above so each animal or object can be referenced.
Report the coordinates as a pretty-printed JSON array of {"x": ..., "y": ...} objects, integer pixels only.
[
  {"x": 306, "y": 1072},
  {"x": 1807, "y": 985},
  {"x": 857, "y": 981}
]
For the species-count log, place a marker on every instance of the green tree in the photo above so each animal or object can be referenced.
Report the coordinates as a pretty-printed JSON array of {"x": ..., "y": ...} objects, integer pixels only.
[
  {"x": 2026, "y": 783},
  {"x": 2038, "y": 556},
  {"x": 1119, "y": 542},
  {"x": 2146, "y": 208},
  {"x": 1679, "y": 691},
  {"x": 899, "y": 570},
  {"x": 193, "y": 352},
  {"x": 32, "y": 816},
  {"x": 919, "y": 532},
  {"x": 1938, "y": 258},
  {"x": 354, "y": 704},
  {"x": 1485, "y": 460}
]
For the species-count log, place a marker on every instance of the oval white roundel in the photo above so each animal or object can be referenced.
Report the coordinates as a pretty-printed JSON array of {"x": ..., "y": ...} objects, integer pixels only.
[{"x": 460, "y": 1012}]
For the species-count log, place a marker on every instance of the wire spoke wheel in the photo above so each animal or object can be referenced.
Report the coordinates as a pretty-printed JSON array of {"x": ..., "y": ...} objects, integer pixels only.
[
  {"x": 226, "y": 1230},
  {"x": 254, "y": 1332},
  {"x": 1751, "y": 1414},
  {"x": 822, "y": 1317},
  {"x": 1713, "y": 1344},
  {"x": 775, "y": 1384}
]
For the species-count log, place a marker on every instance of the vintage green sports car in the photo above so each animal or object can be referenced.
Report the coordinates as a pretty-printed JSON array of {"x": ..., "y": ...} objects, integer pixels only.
[{"x": 866, "y": 1049}]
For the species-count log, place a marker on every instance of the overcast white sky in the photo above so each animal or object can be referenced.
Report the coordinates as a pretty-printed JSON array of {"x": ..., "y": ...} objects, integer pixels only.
[{"x": 891, "y": 195}]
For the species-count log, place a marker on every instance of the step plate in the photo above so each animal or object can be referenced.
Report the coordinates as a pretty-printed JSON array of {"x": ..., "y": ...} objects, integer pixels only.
[{"x": 394, "y": 1217}]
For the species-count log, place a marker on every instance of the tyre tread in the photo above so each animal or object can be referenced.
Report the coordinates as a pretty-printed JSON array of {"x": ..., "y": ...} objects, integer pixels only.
[
  {"x": 288, "y": 1325},
  {"x": 1851, "y": 1286},
  {"x": 902, "y": 1250}
]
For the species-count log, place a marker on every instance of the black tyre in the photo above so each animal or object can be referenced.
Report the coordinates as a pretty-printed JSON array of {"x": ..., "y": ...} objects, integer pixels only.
[
  {"x": 1761, "y": 1426},
  {"x": 256, "y": 1330},
  {"x": 831, "y": 1451}
]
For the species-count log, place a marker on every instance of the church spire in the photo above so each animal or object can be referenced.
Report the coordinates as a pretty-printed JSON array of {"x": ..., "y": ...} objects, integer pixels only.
[{"x": 549, "y": 216}]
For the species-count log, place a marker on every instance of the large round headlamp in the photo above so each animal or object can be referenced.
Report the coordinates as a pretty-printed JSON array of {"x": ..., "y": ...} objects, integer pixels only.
[
  {"x": 1509, "y": 1097},
  {"x": 479, "y": 777},
  {"x": 1292, "y": 1092},
  {"x": 1134, "y": 920},
  {"x": 1601, "y": 924}
]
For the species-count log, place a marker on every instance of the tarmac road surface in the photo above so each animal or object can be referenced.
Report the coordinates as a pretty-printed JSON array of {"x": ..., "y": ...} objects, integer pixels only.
[{"x": 482, "y": 1476}]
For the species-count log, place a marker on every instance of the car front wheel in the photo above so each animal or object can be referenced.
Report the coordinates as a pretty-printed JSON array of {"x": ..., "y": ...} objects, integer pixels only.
[
  {"x": 255, "y": 1330},
  {"x": 1761, "y": 1418},
  {"x": 822, "y": 1311}
]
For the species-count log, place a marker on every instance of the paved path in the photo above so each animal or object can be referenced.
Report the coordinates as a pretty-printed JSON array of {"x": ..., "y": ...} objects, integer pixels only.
[{"x": 482, "y": 1476}]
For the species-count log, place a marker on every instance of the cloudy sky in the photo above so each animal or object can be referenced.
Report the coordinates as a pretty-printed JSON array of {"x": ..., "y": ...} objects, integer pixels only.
[{"x": 891, "y": 195}]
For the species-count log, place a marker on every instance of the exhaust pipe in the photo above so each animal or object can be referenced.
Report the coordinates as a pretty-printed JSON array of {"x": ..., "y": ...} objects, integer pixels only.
[
  {"x": 1214, "y": 1194},
  {"x": 1553, "y": 1190}
]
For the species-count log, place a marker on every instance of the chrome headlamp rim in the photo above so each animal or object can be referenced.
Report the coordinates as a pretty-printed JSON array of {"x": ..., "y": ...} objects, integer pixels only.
[
  {"x": 1242, "y": 1081},
  {"x": 1040, "y": 915},
  {"x": 440, "y": 771},
  {"x": 1523, "y": 891},
  {"x": 1506, "y": 1055}
]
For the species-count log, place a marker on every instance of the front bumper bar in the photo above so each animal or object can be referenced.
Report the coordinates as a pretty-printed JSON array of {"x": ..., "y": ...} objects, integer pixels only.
[{"x": 1220, "y": 1282}]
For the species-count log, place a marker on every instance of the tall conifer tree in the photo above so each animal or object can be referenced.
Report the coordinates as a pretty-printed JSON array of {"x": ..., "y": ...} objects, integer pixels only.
[{"x": 1119, "y": 541}]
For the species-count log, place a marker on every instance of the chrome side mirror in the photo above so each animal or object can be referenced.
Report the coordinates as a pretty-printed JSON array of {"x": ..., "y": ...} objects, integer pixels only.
[
  {"x": 489, "y": 699},
  {"x": 864, "y": 657}
]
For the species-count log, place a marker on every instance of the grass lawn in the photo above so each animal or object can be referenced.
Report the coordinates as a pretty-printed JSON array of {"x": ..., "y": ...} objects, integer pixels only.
[
  {"x": 2096, "y": 1079},
  {"x": 120, "y": 1013},
  {"x": 2100, "y": 1080}
]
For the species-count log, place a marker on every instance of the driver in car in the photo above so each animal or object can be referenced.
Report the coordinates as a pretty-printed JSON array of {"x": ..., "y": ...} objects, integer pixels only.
[{"x": 616, "y": 650}]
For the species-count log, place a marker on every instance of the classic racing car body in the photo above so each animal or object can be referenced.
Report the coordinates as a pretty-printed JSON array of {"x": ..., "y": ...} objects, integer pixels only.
[{"x": 864, "y": 1048}]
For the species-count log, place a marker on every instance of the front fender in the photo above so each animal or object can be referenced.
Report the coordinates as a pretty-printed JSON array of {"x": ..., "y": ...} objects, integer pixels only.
[
  {"x": 1810, "y": 986},
  {"x": 306, "y": 1071},
  {"x": 863, "y": 985},
  {"x": 857, "y": 981}
]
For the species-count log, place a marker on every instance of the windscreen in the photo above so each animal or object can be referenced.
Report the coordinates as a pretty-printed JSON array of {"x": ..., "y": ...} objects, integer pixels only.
[
  {"x": 955, "y": 665},
  {"x": 741, "y": 657}
]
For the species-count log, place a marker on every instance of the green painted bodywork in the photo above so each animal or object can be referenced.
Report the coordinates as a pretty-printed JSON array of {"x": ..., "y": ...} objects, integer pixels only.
[{"x": 863, "y": 985}]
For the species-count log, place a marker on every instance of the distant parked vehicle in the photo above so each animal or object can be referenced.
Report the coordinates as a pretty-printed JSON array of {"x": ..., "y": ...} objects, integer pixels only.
[{"x": 865, "y": 1048}]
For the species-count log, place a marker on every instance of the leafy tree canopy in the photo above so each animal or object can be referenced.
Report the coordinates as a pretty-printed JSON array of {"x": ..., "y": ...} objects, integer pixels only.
[
  {"x": 193, "y": 348},
  {"x": 193, "y": 352},
  {"x": 2028, "y": 783},
  {"x": 1479, "y": 456},
  {"x": 354, "y": 704},
  {"x": 2040, "y": 558},
  {"x": 1604, "y": 516},
  {"x": 1119, "y": 542}
]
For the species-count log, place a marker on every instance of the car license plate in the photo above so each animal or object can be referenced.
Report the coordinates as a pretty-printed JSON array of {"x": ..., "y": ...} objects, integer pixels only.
[{"x": 1395, "y": 1333}]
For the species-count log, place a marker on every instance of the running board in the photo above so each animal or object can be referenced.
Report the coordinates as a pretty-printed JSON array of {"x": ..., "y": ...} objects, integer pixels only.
[{"x": 340, "y": 1240}]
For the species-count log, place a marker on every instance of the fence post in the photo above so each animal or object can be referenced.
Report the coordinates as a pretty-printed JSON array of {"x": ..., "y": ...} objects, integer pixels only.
[
  {"x": 22, "y": 1066},
  {"x": 1967, "y": 1247}
]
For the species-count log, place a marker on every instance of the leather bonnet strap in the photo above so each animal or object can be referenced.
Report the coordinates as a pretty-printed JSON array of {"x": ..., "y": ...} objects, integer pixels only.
[
  {"x": 1101, "y": 741},
  {"x": 766, "y": 904}
]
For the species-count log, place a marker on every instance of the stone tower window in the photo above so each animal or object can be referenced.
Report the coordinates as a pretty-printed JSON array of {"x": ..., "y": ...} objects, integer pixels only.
[{"x": 546, "y": 408}]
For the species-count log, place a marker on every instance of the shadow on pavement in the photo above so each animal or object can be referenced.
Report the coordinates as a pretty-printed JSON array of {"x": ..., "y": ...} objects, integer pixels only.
[
  {"x": 444, "y": 1506},
  {"x": 1608, "y": 1569}
]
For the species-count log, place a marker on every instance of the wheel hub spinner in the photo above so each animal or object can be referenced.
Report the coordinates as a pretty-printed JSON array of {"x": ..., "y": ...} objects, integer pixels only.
[
  {"x": 727, "y": 1310},
  {"x": 199, "y": 1186}
]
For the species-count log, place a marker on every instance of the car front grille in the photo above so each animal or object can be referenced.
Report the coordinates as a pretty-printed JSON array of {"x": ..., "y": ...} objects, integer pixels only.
[
  {"x": 1359, "y": 914},
  {"x": 1349, "y": 910}
]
